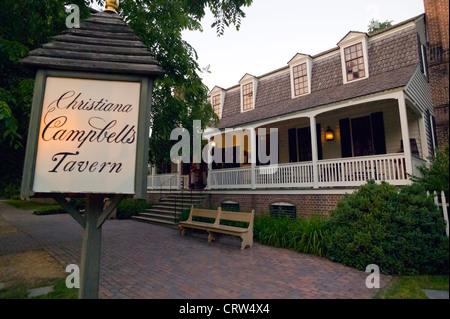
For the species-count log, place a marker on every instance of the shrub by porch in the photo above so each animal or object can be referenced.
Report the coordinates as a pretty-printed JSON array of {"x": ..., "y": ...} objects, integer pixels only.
[{"x": 402, "y": 232}]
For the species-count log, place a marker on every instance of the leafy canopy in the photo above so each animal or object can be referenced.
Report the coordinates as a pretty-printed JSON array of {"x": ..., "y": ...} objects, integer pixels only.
[
  {"x": 178, "y": 98},
  {"x": 376, "y": 25}
]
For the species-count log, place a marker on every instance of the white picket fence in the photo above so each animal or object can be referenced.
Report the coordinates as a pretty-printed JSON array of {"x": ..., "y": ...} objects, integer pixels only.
[{"x": 443, "y": 206}]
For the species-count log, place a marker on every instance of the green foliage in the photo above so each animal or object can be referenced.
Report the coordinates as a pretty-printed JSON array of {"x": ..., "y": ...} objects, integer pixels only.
[
  {"x": 411, "y": 287},
  {"x": 19, "y": 290},
  {"x": 179, "y": 97},
  {"x": 435, "y": 177},
  {"x": 131, "y": 207},
  {"x": 305, "y": 235},
  {"x": 185, "y": 214},
  {"x": 24, "y": 26},
  {"x": 376, "y": 25},
  {"x": 49, "y": 210},
  {"x": 401, "y": 232}
]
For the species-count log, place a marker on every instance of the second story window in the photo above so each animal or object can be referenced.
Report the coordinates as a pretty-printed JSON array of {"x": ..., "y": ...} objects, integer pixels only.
[
  {"x": 216, "y": 103},
  {"x": 354, "y": 62},
  {"x": 300, "y": 73},
  {"x": 300, "y": 68},
  {"x": 247, "y": 96}
]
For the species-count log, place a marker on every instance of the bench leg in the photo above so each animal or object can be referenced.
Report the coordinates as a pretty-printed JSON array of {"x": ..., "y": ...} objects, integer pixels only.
[
  {"x": 247, "y": 240},
  {"x": 212, "y": 236},
  {"x": 182, "y": 230}
]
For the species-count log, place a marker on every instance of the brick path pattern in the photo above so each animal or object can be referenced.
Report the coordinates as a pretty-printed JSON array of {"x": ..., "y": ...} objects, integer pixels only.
[{"x": 143, "y": 261}]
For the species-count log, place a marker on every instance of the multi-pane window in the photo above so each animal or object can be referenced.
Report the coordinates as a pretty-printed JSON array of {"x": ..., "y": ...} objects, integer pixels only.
[
  {"x": 247, "y": 96},
  {"x": 216, "y": 103},
  {"x": 354, "y": 62},
  {"x": 300, "y": 79}
]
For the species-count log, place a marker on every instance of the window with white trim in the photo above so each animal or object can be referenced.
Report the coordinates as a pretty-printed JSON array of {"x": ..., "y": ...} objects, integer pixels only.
[
  {"x": 354, "y": 62},
  {"x": 217, "y": 104},
  {"x": 354, "y": 57},
  {"x": 300, "y": 71},
  {"x": 247, "y": 97},
  {"x": 300, "y": 77}
]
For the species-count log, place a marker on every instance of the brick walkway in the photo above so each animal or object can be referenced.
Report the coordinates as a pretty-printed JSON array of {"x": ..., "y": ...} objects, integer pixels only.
[{"x": 146, "y": 261}]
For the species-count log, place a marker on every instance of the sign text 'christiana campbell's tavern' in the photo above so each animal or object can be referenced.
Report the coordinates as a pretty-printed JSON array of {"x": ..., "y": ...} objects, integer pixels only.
[{"x": 87, "y": 136}]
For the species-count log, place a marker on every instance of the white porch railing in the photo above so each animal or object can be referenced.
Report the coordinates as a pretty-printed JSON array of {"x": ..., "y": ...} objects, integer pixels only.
[
  {"x": 356, "y": 171},
  {"x": 231, "y": 178},
  {"x": 285, "y": 175},
  {"x": 165, "y": 181},
  {"x": 347, "y": 172}
]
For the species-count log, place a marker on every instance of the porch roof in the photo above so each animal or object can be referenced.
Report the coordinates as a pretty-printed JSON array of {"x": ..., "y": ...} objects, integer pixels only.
[{"x": 385, "y": 81}]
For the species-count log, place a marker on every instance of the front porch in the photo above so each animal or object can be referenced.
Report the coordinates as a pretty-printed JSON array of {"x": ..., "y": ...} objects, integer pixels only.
[
  {"x": 366, "y": 143},
  {"x": 352, "y": 172}
]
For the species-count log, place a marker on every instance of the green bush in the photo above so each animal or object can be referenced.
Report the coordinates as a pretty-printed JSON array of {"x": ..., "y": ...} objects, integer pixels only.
[
  {"x": 49, "y": 210},
  {"x": 401, "y": 232},
  {"x": 305, "y": 235},
  {"x": 435, "y": 177},
  {"x": 131, "y": 207},
  {"x": 185, "y": 212}
]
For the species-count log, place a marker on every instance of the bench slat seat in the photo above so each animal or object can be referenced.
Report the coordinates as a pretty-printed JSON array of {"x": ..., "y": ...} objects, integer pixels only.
[
  {"x": 230, "y": 229},
  {"x": 214, "y": 229}
]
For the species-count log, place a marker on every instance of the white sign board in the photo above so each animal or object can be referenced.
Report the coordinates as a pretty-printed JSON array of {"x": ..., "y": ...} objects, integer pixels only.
[{"x": 87, "y": 137}]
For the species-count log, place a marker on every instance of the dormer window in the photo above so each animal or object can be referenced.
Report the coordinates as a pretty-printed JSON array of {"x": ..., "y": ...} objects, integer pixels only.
[
  {"x": 300, "y": 79},
  {"x": 301, "y": 67},
  {"x": 217, "y": 104},
  {"x": 217, "y": 99},
  {"x": 249, "y": 85},
  {"x": 247, "y": 96},
  {"x": 354, "y": 62},
  {"x": 354, "y": 57}
]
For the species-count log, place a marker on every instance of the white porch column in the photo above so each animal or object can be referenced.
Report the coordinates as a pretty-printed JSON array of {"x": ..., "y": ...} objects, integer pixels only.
[
  {"x": 253, "y": 156},
  {"x": 315, "y": 153},
  {"x": 153, "y": 176},
  {"x": 423, "y": 137},
  {"x": 405, "y": 133},
  {"x": 208, "y": 177}
]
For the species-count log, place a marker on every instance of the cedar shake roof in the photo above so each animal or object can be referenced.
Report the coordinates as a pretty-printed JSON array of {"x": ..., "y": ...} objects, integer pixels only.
[
  {"x": 103, "y": 43},
  {"x": 393, "y": 58}
]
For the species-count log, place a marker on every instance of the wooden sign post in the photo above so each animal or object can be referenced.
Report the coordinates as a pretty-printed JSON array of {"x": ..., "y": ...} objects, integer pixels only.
[{"x": 89, "y": 126}]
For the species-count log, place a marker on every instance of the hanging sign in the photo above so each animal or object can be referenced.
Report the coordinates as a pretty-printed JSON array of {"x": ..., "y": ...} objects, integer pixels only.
[{"x": 87, "y": 138}]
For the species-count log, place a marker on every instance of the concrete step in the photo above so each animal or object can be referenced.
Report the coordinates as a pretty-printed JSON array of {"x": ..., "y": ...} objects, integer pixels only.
[
  {"x": 175, "y": 204},
  {"x": 157, "y": 221},
  {"x": 163, "y": 210},
  {"x": 162, "y": 215},
  {"x": 168, "y": 210},
  {"x": 186, "y": 196}
]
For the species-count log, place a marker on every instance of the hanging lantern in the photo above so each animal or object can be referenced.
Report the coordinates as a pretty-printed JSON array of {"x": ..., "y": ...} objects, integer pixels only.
[{"x": 329, "y": 134}]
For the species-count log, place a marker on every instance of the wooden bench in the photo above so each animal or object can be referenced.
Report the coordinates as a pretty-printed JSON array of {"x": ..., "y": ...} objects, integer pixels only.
[{"x": 214, "y": 229}]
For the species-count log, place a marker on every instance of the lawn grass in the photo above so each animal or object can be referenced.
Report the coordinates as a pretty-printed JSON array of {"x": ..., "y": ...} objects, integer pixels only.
[
  {"x": 26, "y": 204},
  {"x": 410, "y": 287},
  {"x": 20, "y": 290}
]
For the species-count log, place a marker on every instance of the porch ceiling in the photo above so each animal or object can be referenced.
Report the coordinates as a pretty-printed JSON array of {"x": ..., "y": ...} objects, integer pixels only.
[{"x": 374, "y": 84}]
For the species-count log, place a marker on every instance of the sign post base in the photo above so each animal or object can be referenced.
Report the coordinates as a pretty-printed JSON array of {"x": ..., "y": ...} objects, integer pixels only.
[
  {"x": 90, "y": 249},
  {"x": 92, "y": 222}
]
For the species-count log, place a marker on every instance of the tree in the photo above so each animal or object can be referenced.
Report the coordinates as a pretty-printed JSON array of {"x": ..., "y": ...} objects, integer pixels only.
[
  {"x": 435, "y": 176},
  {"x": 27, "y": 24},
  {"x": 376, "y": 25},
  {"x": 24, "y": 26}
]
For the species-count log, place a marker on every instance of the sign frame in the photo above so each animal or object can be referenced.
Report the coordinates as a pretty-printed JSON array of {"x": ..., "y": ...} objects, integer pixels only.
[{"x": 143, "y": 129}]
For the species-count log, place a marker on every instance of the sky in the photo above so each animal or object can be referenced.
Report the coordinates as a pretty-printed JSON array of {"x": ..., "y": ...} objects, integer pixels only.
[{"x": 273, "y": 31}]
